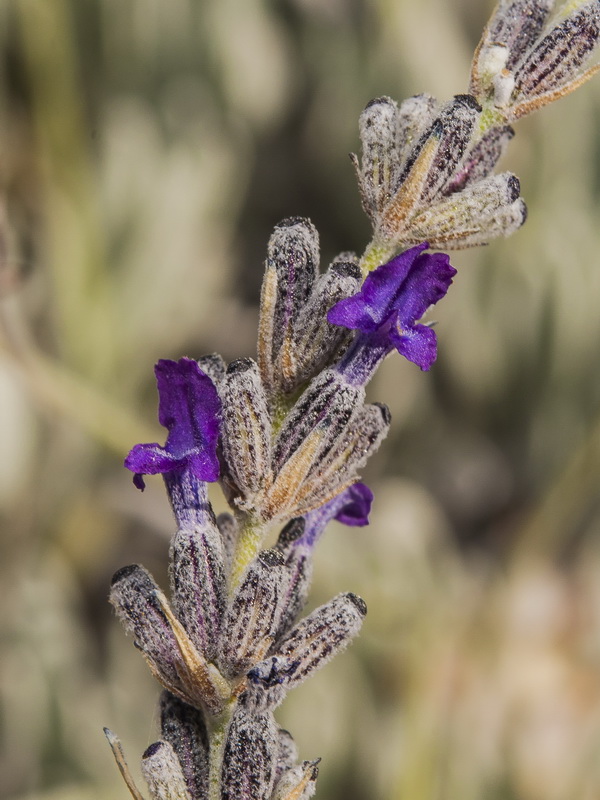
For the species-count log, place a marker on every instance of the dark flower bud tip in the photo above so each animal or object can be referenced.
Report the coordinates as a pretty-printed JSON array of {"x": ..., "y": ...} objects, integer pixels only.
[
  {"x": 240, "y": 365},
  {"x": 291, "y": 532},
  {"x": 346, "y": 256},
  {"x": 271, "y": 558},
  {"x": 385, "y": 412},
  {"x": 153, "y": 749},
  {"x": 385, "y": 101},
  {"x": 162, "y": 771},
  {"x": 468, "y": 101},
  {"x": 347, "y": 269},
  {"x": 513, "y": 188},
  {"x": 124, "y": 572},
  {"x": 290, "y": 222},
  {"x": 358, "y": 602}
]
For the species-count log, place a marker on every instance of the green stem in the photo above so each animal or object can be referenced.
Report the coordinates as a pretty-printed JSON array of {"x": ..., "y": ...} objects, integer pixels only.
[
  {"x": 282, "y": 405},
  {"x": 490, "y": 117},
  {"x": 377, "y": 253},
  {"x": 252, "y": 532},
  {"x": 217, "y": 736}
]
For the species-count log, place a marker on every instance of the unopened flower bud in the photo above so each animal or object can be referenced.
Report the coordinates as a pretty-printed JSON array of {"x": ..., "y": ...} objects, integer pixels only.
[
  {"x": 246, "y": 427},
  {"x": 517, "y": 25},
  {"x": 298, "y": 783},
  {"x": 457, "y": 121},
  {"x": 169, "y": 651},
  {"x": 249, "y": 762},
  {"x": 327, "y": 405},
  {"x": 492, "y": 207},
  {"x": 291, "y": 269},
  {"x": 361, "y": 438},
  {"x": 526, "y": 60},
  {"x": 309, "y": 432},
  {"x": 162, "y": 772},
  {"x": 380, "y": 163},
  {"x": 553, "y": 67},
  {"x": 198, "y": 584},
  {"x": 184, "y": 728},
  {"x": 251, "y": 619},
  {"x": 311, "y": 644},
  {"x": 133, "y": 594},
  {"x": 429, "y": 167}
]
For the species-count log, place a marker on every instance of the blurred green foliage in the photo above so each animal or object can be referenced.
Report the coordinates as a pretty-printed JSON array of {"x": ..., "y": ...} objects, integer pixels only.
[{"x": 146, "y": 150}]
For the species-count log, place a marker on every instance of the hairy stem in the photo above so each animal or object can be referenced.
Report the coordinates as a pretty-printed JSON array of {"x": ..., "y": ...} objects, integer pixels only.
[
  {"x": 217, "y": 737},
  {"x": 252, "y": 533},
  {"x": 377, "y": 253}
]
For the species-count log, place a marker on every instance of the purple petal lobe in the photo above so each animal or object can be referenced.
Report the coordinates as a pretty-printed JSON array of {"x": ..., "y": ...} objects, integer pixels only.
[
  {"x": 357, "y": 506},
  {"x": 426, "y": 284},
  {"x": 151, "y": 459},
  {"x": 189, "y": 409},
  {"x": 418, "y": 344},
  {"x": 370, "y": 308},
  {"x": 351, "y": 507}
]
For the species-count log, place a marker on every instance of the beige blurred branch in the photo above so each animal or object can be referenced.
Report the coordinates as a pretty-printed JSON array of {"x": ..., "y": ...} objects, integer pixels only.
[
  {"x": 563, "y": 504},
  {"x": 59, "y": 389}
]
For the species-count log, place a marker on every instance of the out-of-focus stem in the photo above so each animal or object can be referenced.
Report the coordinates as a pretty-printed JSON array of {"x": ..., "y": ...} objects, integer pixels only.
[
  {"x": 63, "y": 391},
  {"x": 563, "y": 506},
  {"x": 60, "y": 389},
  {"x": 82, "y": 287}
]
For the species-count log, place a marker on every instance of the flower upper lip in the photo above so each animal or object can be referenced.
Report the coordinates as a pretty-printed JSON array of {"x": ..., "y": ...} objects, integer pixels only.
[{"x": 189, "y": 409}]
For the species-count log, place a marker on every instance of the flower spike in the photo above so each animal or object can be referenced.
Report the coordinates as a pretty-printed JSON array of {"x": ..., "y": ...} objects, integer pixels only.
[{"x": 288, "y": 434}]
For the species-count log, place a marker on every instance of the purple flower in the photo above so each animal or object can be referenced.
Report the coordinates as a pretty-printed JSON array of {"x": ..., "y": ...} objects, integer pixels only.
[
  {"x": 386, "y": 311},
  {"x": 189, "y": 409},
  {"x": 351, "y": 507},
  {"x": 298, "y": 539}
]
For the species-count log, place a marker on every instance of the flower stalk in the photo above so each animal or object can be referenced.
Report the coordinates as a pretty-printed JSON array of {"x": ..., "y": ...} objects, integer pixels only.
[{"x": 287, "y": 435}]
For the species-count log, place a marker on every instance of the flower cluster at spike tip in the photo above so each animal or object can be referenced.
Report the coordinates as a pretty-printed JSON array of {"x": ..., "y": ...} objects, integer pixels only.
[{"x": 287, "y": 435}]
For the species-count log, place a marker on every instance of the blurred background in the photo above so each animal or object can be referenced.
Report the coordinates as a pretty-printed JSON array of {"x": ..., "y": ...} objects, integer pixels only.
[{"x": 147, "y": 148}]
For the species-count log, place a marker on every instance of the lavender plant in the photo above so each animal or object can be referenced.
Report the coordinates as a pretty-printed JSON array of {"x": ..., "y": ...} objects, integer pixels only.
[{"x": 287, "y": 435}]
